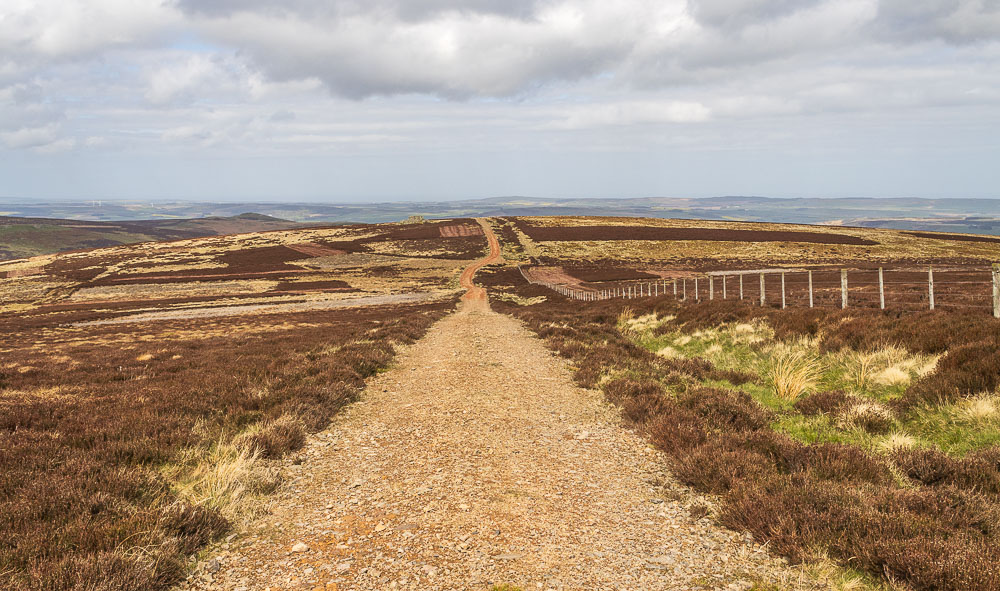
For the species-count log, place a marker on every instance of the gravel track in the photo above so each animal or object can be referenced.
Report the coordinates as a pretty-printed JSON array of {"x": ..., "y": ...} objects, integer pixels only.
[{"x": 476, "y": 461}]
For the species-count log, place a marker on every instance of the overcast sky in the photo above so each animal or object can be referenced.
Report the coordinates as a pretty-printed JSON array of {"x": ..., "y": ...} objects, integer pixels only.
[{"x": 352, "y": 100}]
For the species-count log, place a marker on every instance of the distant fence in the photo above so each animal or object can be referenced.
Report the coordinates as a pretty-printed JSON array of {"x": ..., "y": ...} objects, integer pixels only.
[{"x": 912, "y": 288}]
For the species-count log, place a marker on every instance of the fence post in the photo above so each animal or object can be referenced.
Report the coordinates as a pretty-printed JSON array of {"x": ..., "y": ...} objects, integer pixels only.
[
  {"x": 996, "y": 291},
  {"x": 930, "y": 285},
  {"x": 881, "y": 289},
  {"x": 762, "y": 290},
  {"x": 697, "y": 296},
  {"x": 711, "y": 287},
  {"x": 723, "y": 287},
  {"x": 684, "y": 296},
  {"x": 810, "y": 288},
  {"x": 782, "y": 290},
  {"x": 656, "y": 289},
  {"x": 843, "y": 289},
  {"x": 675, "y": 289},
  {"x": 741, "y": 286}
]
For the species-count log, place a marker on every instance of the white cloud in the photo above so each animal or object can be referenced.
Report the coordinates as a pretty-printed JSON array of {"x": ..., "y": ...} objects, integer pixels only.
[
  {"x": 403, "y": 77},
  {"x": 183, "y": 79},
  {"x": 30, "y": 137},
  {"x": 633, "y": 113}
]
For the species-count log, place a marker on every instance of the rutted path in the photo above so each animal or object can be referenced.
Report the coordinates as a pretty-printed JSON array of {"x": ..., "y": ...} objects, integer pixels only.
[{"x": 476, "y": 461}]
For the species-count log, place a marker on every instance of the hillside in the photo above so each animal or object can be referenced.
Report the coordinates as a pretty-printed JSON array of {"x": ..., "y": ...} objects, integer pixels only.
[
  {"x": 978, "y": 216},
  {"x": 22, "y": 237}
]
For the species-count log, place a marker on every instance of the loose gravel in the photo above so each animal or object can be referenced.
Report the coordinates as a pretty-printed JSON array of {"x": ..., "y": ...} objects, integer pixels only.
[{"x": 476, "y": 462}]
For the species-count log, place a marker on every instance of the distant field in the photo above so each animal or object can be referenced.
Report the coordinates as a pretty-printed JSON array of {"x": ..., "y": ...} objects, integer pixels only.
[
  {"x": 22, "y": 237},
  {"x": 713, "y": 245}
]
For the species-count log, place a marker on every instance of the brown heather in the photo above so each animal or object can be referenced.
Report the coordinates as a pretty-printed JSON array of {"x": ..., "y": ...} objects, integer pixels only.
[
  {"x": 83, "y": 441},
  {"x": 934, "y": 530}
]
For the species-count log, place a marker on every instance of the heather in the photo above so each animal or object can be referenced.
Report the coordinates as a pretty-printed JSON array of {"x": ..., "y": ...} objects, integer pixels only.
[
  {"x": 126, "y": 448},
  {"x": 869, "y": 438}
]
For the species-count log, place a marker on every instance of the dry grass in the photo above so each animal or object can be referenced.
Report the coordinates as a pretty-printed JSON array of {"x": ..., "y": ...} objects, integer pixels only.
[
  {"x": 885, "y": 364},
  {"x": 895, "y": 441},
  {"x": 980, "y": 408},
  {"x": 226, "y": 478},
  {"x": 792, "y": 371}
]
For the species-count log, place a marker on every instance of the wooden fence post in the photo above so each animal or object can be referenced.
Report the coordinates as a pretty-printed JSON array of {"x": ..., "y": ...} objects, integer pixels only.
[
  {"x": 724, "y": 287},
  {"x": 810, "y": 288},
  {"x": 675, "y": 289},
  {"x": 782, "y": 290},
  {"x": 656, "y": 289},
  {"x": 996, "y": 291},
  {"x": 881, "y": 289},
  {"x": 741, "y": 286},
  {"x": 843, "y": 289},
  {"x": 711, "y": 287},
  {"x": 930, "y": 285},
  {"x": 697, "y": 296},
  {"x": 762, "y": 290}
]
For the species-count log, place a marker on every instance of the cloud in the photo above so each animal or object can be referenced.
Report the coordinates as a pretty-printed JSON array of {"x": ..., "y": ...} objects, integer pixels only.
[
  {"x": 74, "y": 29},
  {"x": 953, "y": 21},
  {"x": 737, "y": 14},
  {"x": 451, "y": 53},
  {"x": 30, "y": 137},
  {"x": 182, "y": 78},
  {"x": 633, "y": 113}
]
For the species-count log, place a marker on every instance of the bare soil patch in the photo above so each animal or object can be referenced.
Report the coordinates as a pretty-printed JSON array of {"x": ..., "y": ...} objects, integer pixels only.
[{"x": 457, "y": 230}]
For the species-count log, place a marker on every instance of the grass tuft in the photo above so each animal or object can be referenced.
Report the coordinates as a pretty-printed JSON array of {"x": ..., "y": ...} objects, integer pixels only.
[{"x": 792, "y": 371}]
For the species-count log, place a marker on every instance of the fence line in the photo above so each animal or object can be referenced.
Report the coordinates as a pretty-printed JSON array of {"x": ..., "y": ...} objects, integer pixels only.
[{"x": 856, "y": 287}]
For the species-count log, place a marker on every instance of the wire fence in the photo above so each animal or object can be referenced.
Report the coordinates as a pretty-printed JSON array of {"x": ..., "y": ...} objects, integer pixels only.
[{"x": 969, "y": 288}]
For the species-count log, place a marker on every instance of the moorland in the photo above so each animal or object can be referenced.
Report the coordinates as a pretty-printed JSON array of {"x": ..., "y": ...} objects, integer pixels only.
[
  {"x": 149, "y": 393},
  {"x": 23, "y": 237}
]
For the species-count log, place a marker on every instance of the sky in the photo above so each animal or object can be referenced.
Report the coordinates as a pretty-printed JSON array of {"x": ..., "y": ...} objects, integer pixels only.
[{"x": 369, "y": 100}]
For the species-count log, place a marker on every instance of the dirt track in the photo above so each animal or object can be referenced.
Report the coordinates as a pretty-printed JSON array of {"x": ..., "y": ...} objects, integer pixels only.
[
  {"x": 475, "y": 292},
  {"x": 438, "y": 481}
]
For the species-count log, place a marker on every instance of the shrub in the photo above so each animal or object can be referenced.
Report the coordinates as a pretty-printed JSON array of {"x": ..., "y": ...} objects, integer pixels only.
[
  {"x": 965, "y": 371},
  {"x": 676, "y": 429},
  {"x": 727, "y": 410},
  {"x": 845, "y": 463},
  {"x": 622, "y": 389},
  {"x": 715, "y": 468},
  {"x": 827, "y": 401},
  {"x": 978, "y": 471}
]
